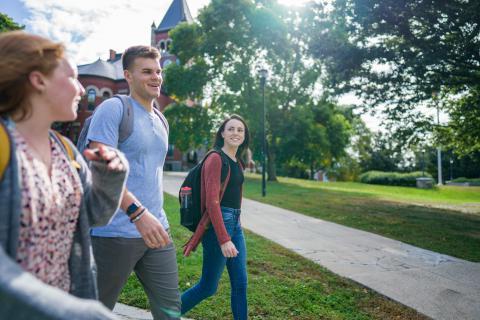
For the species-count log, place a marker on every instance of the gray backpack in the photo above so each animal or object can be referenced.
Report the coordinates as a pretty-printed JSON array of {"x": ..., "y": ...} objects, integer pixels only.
[{"x": 126, "y": 124}]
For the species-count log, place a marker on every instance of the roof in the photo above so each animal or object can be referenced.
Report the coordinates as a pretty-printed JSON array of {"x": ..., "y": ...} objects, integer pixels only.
[
  {"x": 111, "y": 70},
  {"x": 176, "y": 13}
]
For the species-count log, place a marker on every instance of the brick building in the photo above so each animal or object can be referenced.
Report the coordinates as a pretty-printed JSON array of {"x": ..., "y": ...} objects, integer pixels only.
[{"x": 102, "y": 79}]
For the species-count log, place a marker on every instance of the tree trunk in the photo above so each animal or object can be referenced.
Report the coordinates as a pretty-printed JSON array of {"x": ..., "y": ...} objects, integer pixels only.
[
  {"x": 271, "y": 168},
  {"x": 311, "y": 170}
]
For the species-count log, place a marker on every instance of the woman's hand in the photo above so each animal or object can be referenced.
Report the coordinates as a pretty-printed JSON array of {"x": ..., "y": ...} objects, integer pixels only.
[
  {"x": 108, "y": 155},
  {"x": 229, "y": 250}
]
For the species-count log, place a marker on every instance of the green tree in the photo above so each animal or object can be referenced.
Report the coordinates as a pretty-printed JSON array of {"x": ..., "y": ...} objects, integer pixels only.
[
  {"x": 190, "y": 127},
  {"x": 386, "y": 154},
  {"x": 224, "y": 51},
  {"x": 315, "y": 135},
  {"x": 462, "y": 132},
  {"x": 7, "y": 23},
  {"x": 396, "y": 54}
]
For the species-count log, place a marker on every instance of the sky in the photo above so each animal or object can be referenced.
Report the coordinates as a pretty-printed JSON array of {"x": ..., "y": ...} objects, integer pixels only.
[{"x": 89, "y": 28}]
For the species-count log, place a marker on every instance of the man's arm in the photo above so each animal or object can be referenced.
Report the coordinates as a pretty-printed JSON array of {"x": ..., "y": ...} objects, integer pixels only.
[{"x": 149, "y": 227}]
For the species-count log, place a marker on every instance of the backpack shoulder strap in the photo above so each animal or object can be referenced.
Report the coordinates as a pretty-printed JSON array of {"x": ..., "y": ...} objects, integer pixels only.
[
  {"x": 225, "y": 166},
  {"x": 5, "y": 146},
  {"x": 67, "y": 147},
  {"x": 162, "y": 118},
  {"x": 126, "y": 124}
]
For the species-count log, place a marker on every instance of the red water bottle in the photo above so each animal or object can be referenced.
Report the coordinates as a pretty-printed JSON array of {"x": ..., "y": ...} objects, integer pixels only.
[
  {"x": 185, "y": 197},
  {"x": 186, "y": 218}
]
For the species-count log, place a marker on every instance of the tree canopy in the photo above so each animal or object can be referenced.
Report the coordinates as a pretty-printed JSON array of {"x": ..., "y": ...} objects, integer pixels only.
[
  {"x": 190, "y": 126},
  {"x": 221, "y": 56},
  {"x": 7, "y": 23},
  {"x": 397, "y": 54}
]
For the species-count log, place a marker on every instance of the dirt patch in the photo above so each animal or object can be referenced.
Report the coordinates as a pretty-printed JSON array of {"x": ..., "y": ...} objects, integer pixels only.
[{"x": 469, "y": 208}]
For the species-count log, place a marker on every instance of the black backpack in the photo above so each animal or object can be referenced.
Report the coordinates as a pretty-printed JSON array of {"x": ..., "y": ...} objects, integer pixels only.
[{"x": 189, "y": 218}]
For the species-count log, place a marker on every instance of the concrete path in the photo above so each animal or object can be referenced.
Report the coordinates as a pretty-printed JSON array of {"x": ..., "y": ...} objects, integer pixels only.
[
  {"x": 125, "y": 312},
  {"x": 439, "y": 286}
]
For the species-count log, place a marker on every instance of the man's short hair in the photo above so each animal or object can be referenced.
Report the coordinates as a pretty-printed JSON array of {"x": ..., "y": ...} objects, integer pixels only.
[{"x": 134, "y": 52}]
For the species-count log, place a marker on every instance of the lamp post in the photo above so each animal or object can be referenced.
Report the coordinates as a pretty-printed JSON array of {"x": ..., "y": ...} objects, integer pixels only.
[
  {"x": 439, "y": 150},
  {"x": 451, "y": 168},
  {"x": 423, "y": 162},
  {"x": 263, "y": 78}
]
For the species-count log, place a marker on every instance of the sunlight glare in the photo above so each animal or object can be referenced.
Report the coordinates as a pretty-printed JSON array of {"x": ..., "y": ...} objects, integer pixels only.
[{"x": 293, "y": 2}]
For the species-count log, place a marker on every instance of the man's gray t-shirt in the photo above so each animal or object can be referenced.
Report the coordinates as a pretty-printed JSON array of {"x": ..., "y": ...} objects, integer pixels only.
[{"x": 145, "y": 150}]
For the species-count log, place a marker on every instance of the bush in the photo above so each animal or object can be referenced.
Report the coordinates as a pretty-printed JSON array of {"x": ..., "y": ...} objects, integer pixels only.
[
  {"x": 472, "y": 182},
  {"x": 392, "y": 178},
  {"x": 295, "y": 169}
]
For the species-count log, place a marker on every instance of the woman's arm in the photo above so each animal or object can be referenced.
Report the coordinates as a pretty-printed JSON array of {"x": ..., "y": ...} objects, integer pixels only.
[
  {"x": 102, "y": 187},
  {"x": 23, "y": 296},
  {"x": 211, "y": 184}
]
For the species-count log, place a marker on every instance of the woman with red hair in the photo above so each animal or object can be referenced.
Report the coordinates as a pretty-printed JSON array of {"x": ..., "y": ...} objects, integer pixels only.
[{"x": 49, "y": 196}]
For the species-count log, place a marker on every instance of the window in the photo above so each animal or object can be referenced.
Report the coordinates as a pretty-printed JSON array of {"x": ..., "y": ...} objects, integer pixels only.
[
  {"x": 91, "y": 95},
  {"x": 170, "y": 150},
  {"x": 106, "y": 95}
]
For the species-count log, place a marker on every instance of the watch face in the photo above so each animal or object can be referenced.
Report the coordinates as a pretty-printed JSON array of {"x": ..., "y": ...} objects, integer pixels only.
[{"x": 132, "y": 208}]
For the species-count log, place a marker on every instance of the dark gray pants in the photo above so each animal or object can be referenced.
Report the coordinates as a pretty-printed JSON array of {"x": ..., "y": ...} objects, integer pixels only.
[{"x": 156, "y": 269}]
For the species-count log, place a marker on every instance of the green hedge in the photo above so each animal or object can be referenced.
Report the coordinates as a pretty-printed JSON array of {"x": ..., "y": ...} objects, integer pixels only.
[
  {"x": 392, "y": 178},
  {"x": 472, "y": 182}
]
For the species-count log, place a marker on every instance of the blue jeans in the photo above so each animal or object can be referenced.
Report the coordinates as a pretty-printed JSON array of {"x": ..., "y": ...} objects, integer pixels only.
[{"x": 213, "y": 264}]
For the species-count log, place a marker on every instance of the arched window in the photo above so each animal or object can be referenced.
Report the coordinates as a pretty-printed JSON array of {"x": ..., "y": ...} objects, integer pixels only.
[
  {"x": 169, "y": 42},
  {"x": 162, "y": 46},
  {"x": 106, "y": 95},
  {"x": 91, "y": 95}
]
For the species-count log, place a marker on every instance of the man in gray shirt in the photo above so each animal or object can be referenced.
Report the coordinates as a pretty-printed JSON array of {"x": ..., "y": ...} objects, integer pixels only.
[{"x": 137, "y": 238}]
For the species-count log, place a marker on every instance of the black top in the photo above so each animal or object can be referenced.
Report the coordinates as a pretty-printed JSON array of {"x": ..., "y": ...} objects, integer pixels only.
[{"x": 232, "y": 196}]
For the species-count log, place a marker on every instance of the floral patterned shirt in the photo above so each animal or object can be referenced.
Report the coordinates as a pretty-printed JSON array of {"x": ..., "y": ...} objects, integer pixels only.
[{"x": 50, "y": 209}]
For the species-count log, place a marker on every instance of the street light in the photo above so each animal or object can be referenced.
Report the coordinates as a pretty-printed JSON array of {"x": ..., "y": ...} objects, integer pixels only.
[
  {"x": 439, "y": 150},
  {"x": 423, "y": 162},
  {"x": 451, "y": 168},
  {"x": 263, "y": 73}
]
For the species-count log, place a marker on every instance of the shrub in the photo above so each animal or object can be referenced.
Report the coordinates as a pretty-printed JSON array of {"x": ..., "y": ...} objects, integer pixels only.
[
  {"x": 392, "y": 178},
  {"x": 295, "y": 169},
  {"x": 472, "y": 182}
]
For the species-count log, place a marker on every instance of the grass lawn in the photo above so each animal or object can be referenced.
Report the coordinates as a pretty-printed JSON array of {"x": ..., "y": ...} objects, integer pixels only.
[
  {"x": 401, "y": 213},
  {"x": 444, "y": 194},
  {"x": 282, "y": 285}
]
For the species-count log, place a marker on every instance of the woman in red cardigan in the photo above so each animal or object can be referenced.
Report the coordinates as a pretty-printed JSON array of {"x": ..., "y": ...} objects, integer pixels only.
[{"x": 223, "y": 242}]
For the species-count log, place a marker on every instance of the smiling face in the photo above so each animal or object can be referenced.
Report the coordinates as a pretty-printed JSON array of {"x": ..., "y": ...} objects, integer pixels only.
[
  {"x": 145, "y": 78},
  {"x": 234, "y": 133},
  {"x": 63, "y": 91}
]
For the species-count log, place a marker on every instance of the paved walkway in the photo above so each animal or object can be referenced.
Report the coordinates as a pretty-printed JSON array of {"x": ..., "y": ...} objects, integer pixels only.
[
  {"x": 125, "y": 312},
  {"x": 439, "y": 286}
]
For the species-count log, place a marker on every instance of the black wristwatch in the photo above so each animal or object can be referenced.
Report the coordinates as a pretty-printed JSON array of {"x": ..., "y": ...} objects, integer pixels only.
[{"x": 132, "y": 208}]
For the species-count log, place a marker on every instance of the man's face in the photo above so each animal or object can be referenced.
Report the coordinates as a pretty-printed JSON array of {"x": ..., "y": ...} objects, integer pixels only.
[{"x": 145, "y": 77}]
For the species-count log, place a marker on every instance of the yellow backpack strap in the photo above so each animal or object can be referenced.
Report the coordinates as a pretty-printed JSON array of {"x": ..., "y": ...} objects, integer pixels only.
[
  {"x": 5, "y": 149},
  {"x": 68, "y": 149}
]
